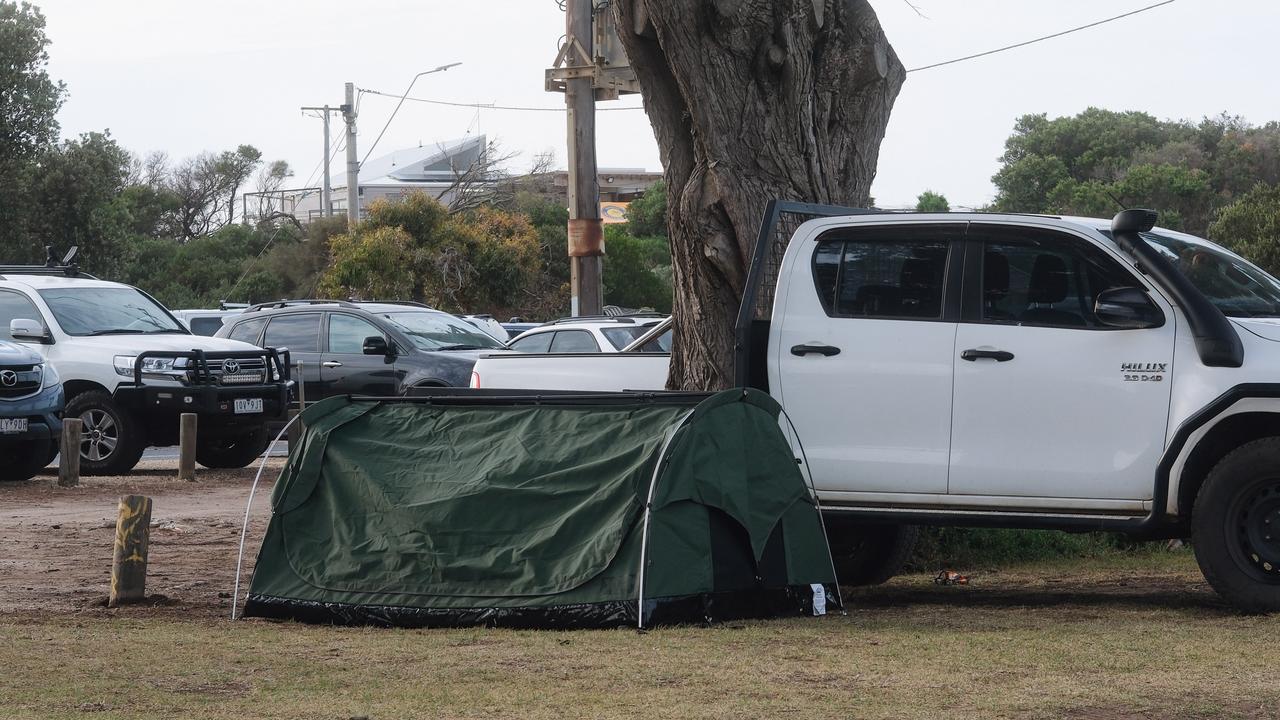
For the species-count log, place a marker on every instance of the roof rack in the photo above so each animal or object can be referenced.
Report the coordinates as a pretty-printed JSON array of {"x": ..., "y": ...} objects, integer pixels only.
[
  {"x": 290, "y": 303},
  {"x": 409, "y": 303},
  {"x": 66, "y": 267},
  {"x": 626, "y": 319}
]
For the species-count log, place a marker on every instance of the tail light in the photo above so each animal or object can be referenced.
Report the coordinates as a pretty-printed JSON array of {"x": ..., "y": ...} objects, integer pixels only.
[{"x": 475, "y": 379}]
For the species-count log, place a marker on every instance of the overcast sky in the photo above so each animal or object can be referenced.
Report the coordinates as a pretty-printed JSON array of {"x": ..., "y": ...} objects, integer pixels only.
[{"x": 185, "y": 76}]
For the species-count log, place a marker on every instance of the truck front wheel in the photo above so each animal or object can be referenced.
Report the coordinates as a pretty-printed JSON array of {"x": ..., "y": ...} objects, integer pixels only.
[
  {"x": 112, "y": 438},
  {"x": 1235, "y": 526},
  {"x": 870, "y": 554},
  {"x": 231, "y": 451}
]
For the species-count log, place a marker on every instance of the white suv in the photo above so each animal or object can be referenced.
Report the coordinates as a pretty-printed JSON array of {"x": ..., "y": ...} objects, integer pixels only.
[
  {"x": 585, "y": 334},
  {"x": 129, "y": 368}
]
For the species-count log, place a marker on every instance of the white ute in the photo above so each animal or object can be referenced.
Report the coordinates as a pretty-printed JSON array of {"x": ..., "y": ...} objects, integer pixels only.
[
  {"x": 129, "y": 368},
  {"x": 1016, "y": 371}
]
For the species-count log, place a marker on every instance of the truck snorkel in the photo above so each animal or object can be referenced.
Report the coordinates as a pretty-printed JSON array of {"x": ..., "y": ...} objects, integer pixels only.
[{"x": 1216, "y": 340}]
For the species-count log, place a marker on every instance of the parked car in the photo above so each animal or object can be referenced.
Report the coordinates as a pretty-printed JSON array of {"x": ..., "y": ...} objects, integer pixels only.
[
  {"x": 489, "y": 325},
  {"x": 30, "y": 412},
  {"x": 128, "y": 368},
  {"x": 642, "y": 365},
  {"x": 207, "y": 322},
  {"x": 373, "y": 348},
  {"x": 1014, "y": 371},
  {"x": 584, "y": 334}
]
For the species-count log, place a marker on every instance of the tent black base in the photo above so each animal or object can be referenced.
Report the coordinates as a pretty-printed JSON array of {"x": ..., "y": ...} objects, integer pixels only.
[{"x": 704, "y": 608}]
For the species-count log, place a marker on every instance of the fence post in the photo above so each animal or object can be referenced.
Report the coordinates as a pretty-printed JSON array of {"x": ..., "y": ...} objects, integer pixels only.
[
  {"x": 187, "y": 447},
  {"x": 69, "y": 453},
  {"x": 129, "y": 562}
]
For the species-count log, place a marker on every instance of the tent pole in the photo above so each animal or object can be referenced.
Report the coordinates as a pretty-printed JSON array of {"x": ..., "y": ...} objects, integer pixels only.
[
  {"x": 648, "y": 508},
  {"x": 244, "y": 529},
  {"x": 817, "y": 505}
]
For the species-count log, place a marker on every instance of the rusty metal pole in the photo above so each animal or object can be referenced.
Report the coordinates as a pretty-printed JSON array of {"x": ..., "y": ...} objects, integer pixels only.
[{"x": 586, "y": 233}]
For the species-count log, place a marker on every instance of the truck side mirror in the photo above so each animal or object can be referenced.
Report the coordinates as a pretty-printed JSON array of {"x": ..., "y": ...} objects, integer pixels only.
[
  {"x": 25, "y": 329},
  {"x": 1128, "y": 308},
  {"x": 375, "y": 345}
]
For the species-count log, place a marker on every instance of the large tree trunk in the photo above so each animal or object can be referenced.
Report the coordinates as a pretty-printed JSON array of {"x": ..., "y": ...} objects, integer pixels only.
[{"x": 751, "y": 100}]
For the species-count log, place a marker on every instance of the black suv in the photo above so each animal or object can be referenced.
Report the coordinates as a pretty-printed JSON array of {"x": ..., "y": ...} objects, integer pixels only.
[{"x": 367, "y": 348}]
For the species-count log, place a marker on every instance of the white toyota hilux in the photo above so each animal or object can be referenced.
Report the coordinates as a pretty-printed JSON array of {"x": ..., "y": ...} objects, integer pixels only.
[
  {"x": 1017, "y": 371},
  {"x": 129, "y": 368}
]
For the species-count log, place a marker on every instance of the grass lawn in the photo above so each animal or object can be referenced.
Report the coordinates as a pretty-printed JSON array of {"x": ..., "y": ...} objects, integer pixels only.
[{"x": 1119, "y": 637}]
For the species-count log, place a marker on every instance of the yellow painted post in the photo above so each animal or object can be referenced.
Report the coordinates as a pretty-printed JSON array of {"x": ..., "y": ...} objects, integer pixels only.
[
  {"x": 129, "y": 563},
  {"x": 69, "y": 453}
]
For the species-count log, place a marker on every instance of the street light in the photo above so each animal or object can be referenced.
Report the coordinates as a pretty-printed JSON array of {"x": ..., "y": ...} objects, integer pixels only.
[{"x": 442, "y": 68}]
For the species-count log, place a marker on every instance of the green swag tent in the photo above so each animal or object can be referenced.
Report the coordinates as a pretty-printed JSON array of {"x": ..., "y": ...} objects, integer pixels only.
[{"x": 530, "y": 511}]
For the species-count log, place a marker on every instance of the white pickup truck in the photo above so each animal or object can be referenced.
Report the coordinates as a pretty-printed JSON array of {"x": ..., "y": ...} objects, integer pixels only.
[{"x": 1013, "y": 371}]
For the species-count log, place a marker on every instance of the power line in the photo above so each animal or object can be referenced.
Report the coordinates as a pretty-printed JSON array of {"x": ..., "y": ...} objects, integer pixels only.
[
  {"x": 1041, "y": 39},
  {"x": 492, "y": 106}
]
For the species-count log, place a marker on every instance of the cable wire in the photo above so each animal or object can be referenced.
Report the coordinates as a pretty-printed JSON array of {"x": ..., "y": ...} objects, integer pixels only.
[
  {"x": 493, "y": 106},
  {"x": 1041, "y": 39}
]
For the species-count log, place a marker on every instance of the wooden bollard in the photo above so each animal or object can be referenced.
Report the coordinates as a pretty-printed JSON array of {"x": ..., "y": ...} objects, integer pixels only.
[
  {"x": 69, "y": 453},
  {"x": 129, "y": 563},
  {"x": 187, "y": 447}
]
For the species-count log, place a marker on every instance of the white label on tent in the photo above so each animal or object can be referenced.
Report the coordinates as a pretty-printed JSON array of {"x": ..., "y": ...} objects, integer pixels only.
[{"x": 819, "y": 599}]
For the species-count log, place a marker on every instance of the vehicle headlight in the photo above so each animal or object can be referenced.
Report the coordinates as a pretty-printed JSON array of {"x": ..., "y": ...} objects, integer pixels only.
[
  {"x": 124, "y": 364},
  {"x": 50, "y": 376},
  {"x": 150, "y": 366}
]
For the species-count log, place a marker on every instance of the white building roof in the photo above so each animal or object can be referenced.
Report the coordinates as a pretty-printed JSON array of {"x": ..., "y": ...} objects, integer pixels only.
[{"x": 426, "y": 165}]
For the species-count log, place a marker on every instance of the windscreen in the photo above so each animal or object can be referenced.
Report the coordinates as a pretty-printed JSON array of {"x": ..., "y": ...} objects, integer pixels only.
[
  {"x": 87, "y": 311},
  {"x": 438, "y": 331},
  {"x": 1237, "y": 287}
]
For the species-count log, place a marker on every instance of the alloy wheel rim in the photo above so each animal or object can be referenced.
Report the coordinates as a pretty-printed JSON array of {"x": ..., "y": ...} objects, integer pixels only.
[{"x": 101, "y": 435}]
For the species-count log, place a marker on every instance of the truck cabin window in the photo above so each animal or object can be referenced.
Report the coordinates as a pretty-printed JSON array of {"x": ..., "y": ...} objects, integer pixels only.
[
  {"x": 1049, "y": 281},
  {"x": 883, "y": 273}
]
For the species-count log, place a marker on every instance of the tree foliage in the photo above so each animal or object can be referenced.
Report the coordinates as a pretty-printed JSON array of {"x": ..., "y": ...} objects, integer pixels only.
[
  {"x": 1251, "y": 226},
  {"x": 415, "y": 249},
  {"x": 29, "y": 102},
  {"x": 647, "y": 214},
  {"x": 930, "y": 201},
  {"x": 1100, "y": 161},
  {"x": 637, "y": 270}
]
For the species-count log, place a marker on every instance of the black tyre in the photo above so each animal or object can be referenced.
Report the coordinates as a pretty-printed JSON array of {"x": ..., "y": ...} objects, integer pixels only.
[
  {"x": 232, "y": 451},
  {"x": 870, "y": 554},
  {"x": 113, "y": 438},
  {"x": 1235, "y": 526},
  {"x": 21, "y": 461}
]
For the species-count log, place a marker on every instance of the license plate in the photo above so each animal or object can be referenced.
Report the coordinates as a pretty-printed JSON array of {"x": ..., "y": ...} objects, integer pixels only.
[
  {"x": 8, "y": 426},
  {"x": 245, "y": 406}
]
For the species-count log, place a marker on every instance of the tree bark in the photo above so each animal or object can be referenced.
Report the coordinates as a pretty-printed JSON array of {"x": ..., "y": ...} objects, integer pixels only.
[{"x": 751, "y": 100}]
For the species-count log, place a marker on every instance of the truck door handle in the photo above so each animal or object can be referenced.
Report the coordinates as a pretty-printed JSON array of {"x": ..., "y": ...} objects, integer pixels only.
[
  {"x": 331, "y": 364},
  {"x": 824, "y": 350},
  {"x": 997, "y": 355}
]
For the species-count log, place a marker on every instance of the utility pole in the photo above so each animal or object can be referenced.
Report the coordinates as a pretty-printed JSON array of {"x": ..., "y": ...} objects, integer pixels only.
[
  {"x": 586, "y": 232},
  {"x": 590, "y": 66},
  {"x": 326, "y": 189},
  {"x": 353, "y": 160}
]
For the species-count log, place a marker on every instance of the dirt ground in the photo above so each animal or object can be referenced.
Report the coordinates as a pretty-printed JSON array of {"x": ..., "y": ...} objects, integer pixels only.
[
  {"x": 56, "y": 543},
  {"x": 1129, "y": 636}
]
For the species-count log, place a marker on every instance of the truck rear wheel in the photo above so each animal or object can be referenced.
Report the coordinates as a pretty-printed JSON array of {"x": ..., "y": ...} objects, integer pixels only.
[
  {"x": 232, "y": 451},
  {"x": 22, "y": 460},
  {"x": 1235, "y": 526},
  {"x": 870, "y": 554},
  {"x": 113, "y": 438}
]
